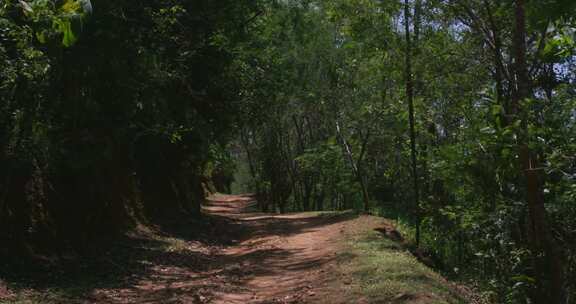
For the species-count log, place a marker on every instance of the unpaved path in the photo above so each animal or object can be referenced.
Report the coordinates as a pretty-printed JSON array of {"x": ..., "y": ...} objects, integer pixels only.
[
  {"x": 290, "y": 258},
  {"x": 235, "y": 255},
  {"x": 282, "y": 258}
]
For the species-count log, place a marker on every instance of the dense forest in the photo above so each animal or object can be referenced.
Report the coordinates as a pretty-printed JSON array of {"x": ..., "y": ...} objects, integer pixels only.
[{"x": 455, "y": 118}]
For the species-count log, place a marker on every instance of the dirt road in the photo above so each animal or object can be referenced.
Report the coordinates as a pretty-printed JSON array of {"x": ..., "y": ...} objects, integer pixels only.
[
  {"x": 263, "y": 258},
  {"x": 282, "y": 258},
  {"x": 236, "y": 255}
]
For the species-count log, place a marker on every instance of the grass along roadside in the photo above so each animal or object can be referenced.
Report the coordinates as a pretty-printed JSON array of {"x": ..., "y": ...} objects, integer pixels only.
[{"x": 380, "y": 270}]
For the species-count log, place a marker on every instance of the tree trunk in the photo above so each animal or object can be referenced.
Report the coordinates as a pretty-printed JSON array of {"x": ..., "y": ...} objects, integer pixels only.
[
  {"x": 355, "y": 165},
  {"x": 548, "y": 263},
  {"x": 410, "y": 99},
  {"x": 499, "y": 70}
]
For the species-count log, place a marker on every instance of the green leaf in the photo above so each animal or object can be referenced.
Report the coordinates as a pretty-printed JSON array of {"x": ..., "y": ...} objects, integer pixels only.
[
  {"x": 524, "y": 279},
  {"x": 65, "y": 27},
  {"x": 71, "y": 7},
  {"x": 41, "y": 37},
  {"x": 497, "y": 109}
]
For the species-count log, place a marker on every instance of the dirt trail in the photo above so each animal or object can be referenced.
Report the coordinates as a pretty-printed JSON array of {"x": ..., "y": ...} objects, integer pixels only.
[
  {"x": 234, "y": 255},
  {"x": 267, "y": 258},
  {"x": 281, "y": 258}
]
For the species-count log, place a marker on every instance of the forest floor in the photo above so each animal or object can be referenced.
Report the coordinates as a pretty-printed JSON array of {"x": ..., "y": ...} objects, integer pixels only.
[{"x": 313, "y": 257}]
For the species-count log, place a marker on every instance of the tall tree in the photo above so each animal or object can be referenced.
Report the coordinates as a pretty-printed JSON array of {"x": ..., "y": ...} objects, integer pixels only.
[
  {"x": 549, "y": 268},
  {"x": 409, "y": 80}
]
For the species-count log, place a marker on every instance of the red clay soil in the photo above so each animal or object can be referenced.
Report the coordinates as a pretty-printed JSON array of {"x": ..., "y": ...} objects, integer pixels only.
[
  {"x": 283, "y": 258},
  {"x": 277, "y": 259},
  {"x": 270, "y": 258}
]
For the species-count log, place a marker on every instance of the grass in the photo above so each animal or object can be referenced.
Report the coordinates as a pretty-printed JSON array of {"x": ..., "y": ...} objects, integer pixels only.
[
  {"x": 333, "y": 214},
  {"x": 46, "y": 297},
  {"x": 383, "y": 271}
]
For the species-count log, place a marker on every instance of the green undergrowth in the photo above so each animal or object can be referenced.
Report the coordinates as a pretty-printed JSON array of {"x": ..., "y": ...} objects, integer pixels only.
[
  {"x": 382, "y": 271},
  {"x": 334, "y": 214}
]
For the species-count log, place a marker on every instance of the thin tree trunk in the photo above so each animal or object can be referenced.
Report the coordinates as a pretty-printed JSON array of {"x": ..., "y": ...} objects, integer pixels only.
[
  {"x": 360, "y": 173},
  {"x": 246, "y": 144},
  {"x": 410, "y": 98},
  {"x": 498, "y": 62},
  {"x": 260, "y": 197},
  {"x": 356, "y": 170}
]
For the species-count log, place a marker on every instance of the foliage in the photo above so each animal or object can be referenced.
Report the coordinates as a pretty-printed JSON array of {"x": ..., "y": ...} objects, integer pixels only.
[
  {"x": 110, "y": 112},
  {"x": 121, "y": 111},
  {"x": 326, "y": 111}
]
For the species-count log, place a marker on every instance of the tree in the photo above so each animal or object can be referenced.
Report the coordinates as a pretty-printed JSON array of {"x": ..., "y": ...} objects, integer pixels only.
[
  {"x": 543, "y": 246},
  {"x": 410, "y": 101}
]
